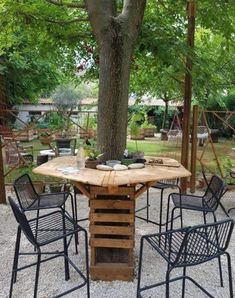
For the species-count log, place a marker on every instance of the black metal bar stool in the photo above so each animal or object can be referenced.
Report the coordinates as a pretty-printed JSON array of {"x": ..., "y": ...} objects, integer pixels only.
[
  {"x": 30, "y": 200},
  {"x": 161, "y": 185},
  {"x": 187, "y": 247},
  {"x": 206, "y": 204},
  {"x": 45, "y": 230}
]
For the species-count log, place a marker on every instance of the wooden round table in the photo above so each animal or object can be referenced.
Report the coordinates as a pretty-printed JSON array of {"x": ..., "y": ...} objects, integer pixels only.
[{"x": 112, "y": 196}]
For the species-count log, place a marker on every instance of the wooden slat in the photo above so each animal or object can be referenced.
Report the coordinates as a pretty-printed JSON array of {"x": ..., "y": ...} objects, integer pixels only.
[
  {"x": 111, "y": 204},
  {"x": 128, "y": 191},
  {"x": 112, "y": 217},
  {"x": 112, "y": 271},
  {"x": 111, "y": 230},
  {"x": 112, "y": 243}
]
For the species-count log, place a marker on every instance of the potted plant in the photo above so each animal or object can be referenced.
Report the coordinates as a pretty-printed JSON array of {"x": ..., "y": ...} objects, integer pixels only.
[
  {"x": 92, "y": 154},
  {"x": 149, "y": 128},
  {"x": 45, "y": 138},
  {"x": 137, "y": 133}
]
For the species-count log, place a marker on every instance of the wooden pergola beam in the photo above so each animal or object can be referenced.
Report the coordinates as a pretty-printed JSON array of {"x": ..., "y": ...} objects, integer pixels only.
[
  {"x": 2, "y": 183},
  {"x": 191, "y": 10}
]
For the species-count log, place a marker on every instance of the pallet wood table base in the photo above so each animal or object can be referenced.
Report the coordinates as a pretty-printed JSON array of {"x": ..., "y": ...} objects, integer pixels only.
[
  {"x": 112, "y": 228},
  {"x": 112, "y": 197}
]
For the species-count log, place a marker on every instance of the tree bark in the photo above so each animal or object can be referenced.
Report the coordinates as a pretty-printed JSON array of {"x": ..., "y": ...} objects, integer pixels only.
[
  {"x": 116, "y": 36},
  {"x": 165, "y": 116}
]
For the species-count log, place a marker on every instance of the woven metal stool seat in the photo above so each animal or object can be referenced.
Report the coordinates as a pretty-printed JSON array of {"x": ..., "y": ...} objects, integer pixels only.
[
  {"x": 50, "y": 200},
  {"x": 47, "y": 229}
]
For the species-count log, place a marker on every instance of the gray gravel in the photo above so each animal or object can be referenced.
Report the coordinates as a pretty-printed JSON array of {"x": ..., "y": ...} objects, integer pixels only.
[{"x": 52, "y": 275}]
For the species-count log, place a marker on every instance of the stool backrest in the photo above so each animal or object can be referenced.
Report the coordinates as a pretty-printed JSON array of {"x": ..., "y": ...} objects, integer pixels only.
[
  {"x": 22, "y": 221},
  {"x": 204, "y": 242},
  {"x": 25, "y": 191},
  {"x": 214, "y": 192}
]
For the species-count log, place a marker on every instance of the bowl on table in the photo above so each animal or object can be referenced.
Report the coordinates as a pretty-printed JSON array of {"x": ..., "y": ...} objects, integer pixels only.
[{"x": 112, "y": 163}]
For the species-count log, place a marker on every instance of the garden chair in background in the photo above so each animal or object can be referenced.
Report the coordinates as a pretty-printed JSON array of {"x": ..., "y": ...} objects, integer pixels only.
[
  {"x": 64, "y": 146},
  {"x": 202, "y": 134},
  {"x": 16, "y": 156},
  {"x": 175, "y": 135},
  {"x": 43, "y": 231},
  {"x": 187, "y": 247}
]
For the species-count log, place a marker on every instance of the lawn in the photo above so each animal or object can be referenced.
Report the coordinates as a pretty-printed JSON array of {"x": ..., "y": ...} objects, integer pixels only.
[{"x": 156, "y": 148}]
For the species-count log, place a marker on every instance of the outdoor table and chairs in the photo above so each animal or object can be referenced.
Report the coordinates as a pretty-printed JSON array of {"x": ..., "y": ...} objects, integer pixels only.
[{"x": 112, "y": 196}]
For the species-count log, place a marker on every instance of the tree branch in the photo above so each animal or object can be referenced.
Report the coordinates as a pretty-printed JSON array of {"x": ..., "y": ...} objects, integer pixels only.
[
  {"x": 64, "y": 22},
  {"x": 99, "y": 13},
  {"x": 60, "y": 22},
  {"x": 70, "y": 4},
  {"x": 132, "y": 14}
]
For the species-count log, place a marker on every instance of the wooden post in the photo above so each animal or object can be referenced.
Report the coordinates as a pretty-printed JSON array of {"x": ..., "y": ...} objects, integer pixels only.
[
  {"x": 194, "y": 149},
  {"x": 191, "y": 8},
  {"x": 2, "y": 183}
]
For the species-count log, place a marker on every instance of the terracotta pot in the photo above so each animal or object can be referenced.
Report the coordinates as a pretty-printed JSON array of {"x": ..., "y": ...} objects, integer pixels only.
[
  {"x": 88, "y": 134},
  {"x": 137, "y": 155},
  {"x": 140, "y": 136},
  {"x": 46, "y": 140},
  {"x": 149, "y": 132},
  {"x": 91, "y": 163}
]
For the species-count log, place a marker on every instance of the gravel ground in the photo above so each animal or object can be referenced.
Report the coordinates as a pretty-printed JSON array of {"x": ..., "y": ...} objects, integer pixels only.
[{"x": 52, "y": 275}]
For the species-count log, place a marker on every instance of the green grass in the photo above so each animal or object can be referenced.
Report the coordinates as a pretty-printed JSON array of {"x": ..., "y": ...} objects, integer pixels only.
[{"x": 151, "y": 147}]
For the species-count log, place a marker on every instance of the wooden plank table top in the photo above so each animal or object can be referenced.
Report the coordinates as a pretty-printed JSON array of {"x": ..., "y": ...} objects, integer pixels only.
[{"x": 150, "y": 173}]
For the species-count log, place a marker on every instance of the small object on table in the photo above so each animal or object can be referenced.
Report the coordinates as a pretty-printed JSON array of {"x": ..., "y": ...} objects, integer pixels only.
[
  {"x": 112, "y": 163},
  {"x": 136, "y": 166},
  {"x": 156, "y": 161},
  {"x": 118, "y": 167},
  {"x": 104, "y": 168}
]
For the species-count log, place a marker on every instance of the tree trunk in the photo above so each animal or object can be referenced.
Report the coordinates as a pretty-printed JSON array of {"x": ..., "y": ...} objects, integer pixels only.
[
  {"x": 115, "y": 59},
  {"x": 116, "y": 35},
  {"x": 165, "y": 114}
]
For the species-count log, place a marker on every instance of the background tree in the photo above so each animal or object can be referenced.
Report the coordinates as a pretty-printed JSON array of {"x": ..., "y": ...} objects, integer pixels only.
[{"x": 66, "y": 98}]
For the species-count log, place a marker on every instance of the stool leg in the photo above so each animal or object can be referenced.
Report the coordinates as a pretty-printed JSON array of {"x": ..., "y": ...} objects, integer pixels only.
[
  {"x": 87, "y": 265},
  {"x": 219, "y": 258},
  {"x": 183, "y": 282},
  {"x": 167, "y": 212},
  {"x": 168, "y": 282},
  {"x": 147, "y": 209},
  {"x": 74, "y": 218},
  {"x": 140, "y": 267},
  {"x": 230, "y": 275},
  {"x": 66, "y": 264},
  {"x": 36, "y": 229},
  {"x": 15, "y": 262},
  {"x": 37, "y": 274},
  {"x": 160, "y": 220}
]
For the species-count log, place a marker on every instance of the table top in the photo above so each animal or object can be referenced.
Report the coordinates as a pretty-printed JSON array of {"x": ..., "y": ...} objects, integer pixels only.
[{"x": 58, "y": 167}]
